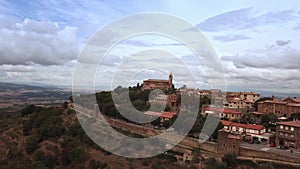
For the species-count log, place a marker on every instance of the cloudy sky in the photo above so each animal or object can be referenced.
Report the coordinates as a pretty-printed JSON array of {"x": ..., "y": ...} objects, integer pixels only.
[{"x": 257, "y": 42}]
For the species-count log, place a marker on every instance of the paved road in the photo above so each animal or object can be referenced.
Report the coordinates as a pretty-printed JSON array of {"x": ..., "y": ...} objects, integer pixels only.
[{"x": 266, "y": 147}]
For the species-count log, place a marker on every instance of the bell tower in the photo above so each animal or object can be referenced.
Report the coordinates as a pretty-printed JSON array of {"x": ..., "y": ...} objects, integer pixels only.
[{"x": 170, "y": 78}]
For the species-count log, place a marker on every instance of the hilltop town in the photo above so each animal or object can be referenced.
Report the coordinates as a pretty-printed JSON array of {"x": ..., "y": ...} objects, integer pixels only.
[
  {"x": 251, "y": 127},
  {"x": 266, "y": 121},
  {"x": 253, "y": 131}
]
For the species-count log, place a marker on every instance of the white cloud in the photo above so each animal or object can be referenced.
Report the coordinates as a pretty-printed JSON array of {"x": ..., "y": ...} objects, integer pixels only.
[
  {"x": 269, "y": 57},
  {"x": 245, "y": 18},
  {"x": 39, "y": 42}
]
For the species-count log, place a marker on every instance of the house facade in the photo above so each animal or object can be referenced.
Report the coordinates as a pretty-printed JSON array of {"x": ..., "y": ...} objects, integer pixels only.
[
  {"x": 280, "y": 107},
  {"x": 288, "y": 134},
  {"x": 241, "y": 100},
  {"x": 253, "y": 130},
  {"x": 230, "y": 114}
]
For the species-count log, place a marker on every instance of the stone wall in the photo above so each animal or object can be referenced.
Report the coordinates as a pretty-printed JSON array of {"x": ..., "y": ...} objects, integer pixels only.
[
  {"x": 246, "y": 152},
  {"x": 211, "y": 147}
]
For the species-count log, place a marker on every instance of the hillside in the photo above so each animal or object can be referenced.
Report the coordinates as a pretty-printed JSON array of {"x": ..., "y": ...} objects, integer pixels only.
[{"x": 53, "y": 138}]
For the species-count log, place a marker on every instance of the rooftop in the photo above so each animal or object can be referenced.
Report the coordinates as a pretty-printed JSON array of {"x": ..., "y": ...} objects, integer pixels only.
[
  {"x": 157, "y": 80},
  {"x": 273, "y": 101},
  {"x": 296, "y": 100},
  {"x": 245, "y": 126},
  {"x": 221, "y": 110},
  {"x": 257, "y": 113},
  {"x": 295, "y": 123},
  {"x": 168, "y": 115}
]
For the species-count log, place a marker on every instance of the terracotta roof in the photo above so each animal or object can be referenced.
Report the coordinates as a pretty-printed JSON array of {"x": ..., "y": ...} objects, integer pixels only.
[
  {"x": 163, "y": 114},
  {"x": 152, "y": 113},
  {"x": 220, "y": 110},
  {"x": 290, "y": 123},
  {"x": 168, "y": 115},
  {"x": 157, "y": 80},
  {"x": 245, "y": 126},
  {"x": 251, "y": 126},
  {"x": 272, "y": 101},
  {"x": 257, "y": 113},
  {"x": 226, "y": 123},
  {"x": 294, "y": 104},
  {"x": 297, "y": 100}
]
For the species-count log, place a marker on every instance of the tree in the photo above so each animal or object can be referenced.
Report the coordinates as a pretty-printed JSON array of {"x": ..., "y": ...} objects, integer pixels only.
[
  {"x": 31, "y": 144},
  {"x": 248, "y": 118},
  {"x": 77, "y": 155},
  {"x": 65, "y": 105},
  {"x": 71, "y": 98},
  {"x": 204, "y": 101},
  {"x": 295, "y": 116},
  {"x": 28, "y": 110},
  {"x": 183, "y": 87},
  {"x": 39, "y": 155},
  {"x": 107, "y": 107},
  {"x": 196, "y": 156},
  {"x": 213, "y": 164},
  {"x": 268, "y": 120},
  {"x": 39, "y": 165},
  {"x": 230, "y": 160}
]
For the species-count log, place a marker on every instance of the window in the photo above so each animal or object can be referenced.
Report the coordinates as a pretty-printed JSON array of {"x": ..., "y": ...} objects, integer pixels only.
[
  {"x": 286, "y": 128},
  {"x": 232, "y": 115},
  {"x": 281, "y": 126},
  {"x": 292, "y": 128},
  {"x": 292, "y": 135}
]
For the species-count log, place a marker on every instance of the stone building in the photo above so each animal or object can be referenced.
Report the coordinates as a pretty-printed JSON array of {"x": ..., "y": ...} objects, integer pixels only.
[
  {"x": 170, "y": 100},
  {"x": 151, "y": 84},
  {"x": 241, "y": 100},
  {"x": 288, "y": 134},
  {"x": 280, "y": 107},
  {"x": 228, "y": 143},
  {"x": 254, "y": 131},
  {"x": 223, "y": 113}
]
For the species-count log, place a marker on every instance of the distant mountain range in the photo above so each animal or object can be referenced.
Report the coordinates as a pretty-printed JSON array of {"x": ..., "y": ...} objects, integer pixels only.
[
  {"x": 36, "y": 85},
  {"x": 265, "y": 93},
  {"x": 13, "y": 96}
]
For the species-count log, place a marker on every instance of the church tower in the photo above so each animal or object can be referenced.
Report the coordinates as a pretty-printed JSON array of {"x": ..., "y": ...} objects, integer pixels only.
[{"x": 170, "y": 79}]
